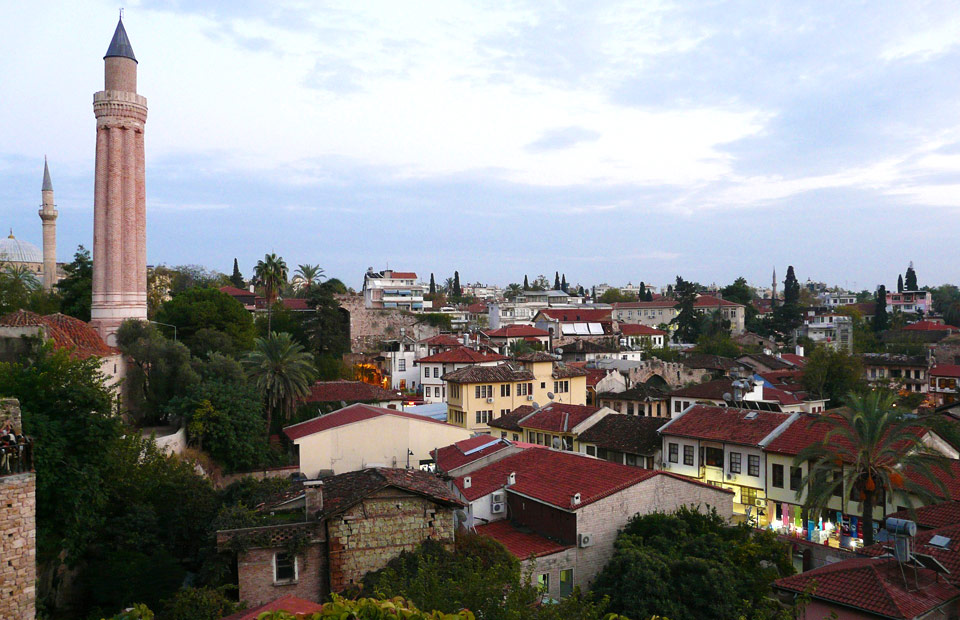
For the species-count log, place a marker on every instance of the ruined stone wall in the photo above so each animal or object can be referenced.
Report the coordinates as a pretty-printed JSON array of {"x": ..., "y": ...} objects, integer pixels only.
[
  {"x": 369, "y": 326},
  {"x": 18, "y": 546},
  {"x": 375, "y": 531},
  {"x": 674, "y": 373}
]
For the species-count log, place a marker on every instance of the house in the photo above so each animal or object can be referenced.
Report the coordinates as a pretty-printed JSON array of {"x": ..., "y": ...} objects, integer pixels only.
[
  {"x": 360, "y": 436},
  {"x": 624, "y": 439},
  {"x": 910, "y": 302},
  {"x": 250, "y": 300},
  {"x": 746, "y": 393},
  {"x": 471, "y": 454},
  {"x": 642, "y": 399},
  {"x": 896, "y": 371},
  {"x": 931, "y": 326},
  {"x": 637, "y": 335},
  {"x": 433, "y": 368},
  {"x": 716, "y": 365},
  {"x": 580, "y": 350},
  {"x": 565, "y": 509},
  {"x": 943, "y": 383},
  {"x": 508, "y": 335},
  {"x": 336, "y": 394},
  {"x": 478, "y": 394},
  {"x": 831, "y": 329},
  {"x": 564, "y": 323},
  {"x": 392, "y": 289},
  {"x": 933, "y": 516},
  {"x": 396, "y": 362},
  {"x": 763, "y": 362},
  {"x": 555, "y": 425},
  {"x": 837, "y": 300},
  {"x": 663, "y": 311},
  {"x": 353, "y": 523},
  {"x": 436, "y": 344},
  {"x": 725, "y": 446}
]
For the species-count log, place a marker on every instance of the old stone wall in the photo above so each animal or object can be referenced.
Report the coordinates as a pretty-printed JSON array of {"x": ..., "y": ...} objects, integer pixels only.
[
  {"x": 369, "y": 326},
  {"x": 18, "y": 548},
  {"x": 256, "y": 576},
  {"x": 674, "y": 373},
  {"x": 367, "y": 536}
]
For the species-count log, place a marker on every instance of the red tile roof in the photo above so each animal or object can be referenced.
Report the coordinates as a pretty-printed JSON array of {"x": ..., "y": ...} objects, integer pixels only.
[
  {"x": 628, "y": 329},
  {"x": 518, "y": 331},
  {"x": 509, "y": 421},
  {"x": 781, "y": 396},
  {"x": 235, "y": 292},
  {"x": 594, "y": 376},
  {"x": 477, "y": 308},
  {"x": 467, "y": 451},
  {"x": 930, "y": 326},
  {"x": 344, "y": 490},
  {"x": 65, "y": 331},
  {"x": 462, "y": 355},
  {"x": 950, "y": 479},
  {"x": 707, "y": 301},
  {"x": 945, "y": 370},
  {"x": 553, "y": 477},
  {"x": 933, "y": 516},
  {"x": 557, "y": 417},
  {"x": 576, "y": 315},
  {"x": 727, "y": 424},
  {"x": 348, "y": 415},
  {"x": 522, "y": 543},
  {"x": 295, "y": 303},
  {"x": 404, "y": 275},
  {"x": 793, "y": 358},
  {"x": 348, "y": 391},
  {"x": 288, "y": 603},
  {"x": 875, "y": 585},
  {"x": 442, "y": 340}
]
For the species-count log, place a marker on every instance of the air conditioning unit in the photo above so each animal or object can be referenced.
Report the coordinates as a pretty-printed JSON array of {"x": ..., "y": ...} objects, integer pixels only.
[
  {"x": 496, "y": 508},
  {"x": 665, "y": 464},
  {"x": 530, "y": 397},
  {"x": 585, "y": 540},
  {"x": 729, "y": 476},
  {"x": 760, "y": 503},
  {"x": 490, "y": 400},
  {"x": 497, "y": 497}
]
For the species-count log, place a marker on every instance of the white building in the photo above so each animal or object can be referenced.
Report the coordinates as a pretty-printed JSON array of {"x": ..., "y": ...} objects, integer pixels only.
[
  {"x": 392, "y": 289},
  {"x": 433, "y": 367}
]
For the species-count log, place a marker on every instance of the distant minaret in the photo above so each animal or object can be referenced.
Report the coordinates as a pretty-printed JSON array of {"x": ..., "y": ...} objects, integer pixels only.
[
  {"x": 119, "y": 202},
  {"x": 773, "y": 296},
  {"x": 48, "y": 214}
]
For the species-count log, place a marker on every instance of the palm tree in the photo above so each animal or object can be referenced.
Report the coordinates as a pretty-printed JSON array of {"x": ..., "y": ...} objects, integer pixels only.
[
  {"x": 512, "y": 291},
  {"x": 283, "y": 372},
  {"x": 271, "y": 274},
  {"x": 881, "y": 451},
  {"x": 306, "y": 276},
  {"x": 20, "y": 278}
]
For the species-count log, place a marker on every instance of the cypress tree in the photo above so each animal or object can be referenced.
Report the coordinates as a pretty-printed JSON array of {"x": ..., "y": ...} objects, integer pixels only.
[
  {"x": 593, "y": 294},
  {"x": 791, "y": 288},
  {"x": 899, "y": 284},
  {"x": 563, "y": 283},
  {"x": 457, "y": 291},
  {"x": 910, "y": 283},
  {"x": 556, "y": 281},
  {"x": 433, "y": 285},
  {"x": 581, "y": 292},
  {"x": 642, "y": 293},
  {"x": 236, "y": 278},
  {"x": 880, "y": 319},
  {"x": 526, "y": 283}
]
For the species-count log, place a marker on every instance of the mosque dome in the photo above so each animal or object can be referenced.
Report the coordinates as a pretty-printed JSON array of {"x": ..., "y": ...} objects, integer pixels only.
[{"x": 13, "y": 250}]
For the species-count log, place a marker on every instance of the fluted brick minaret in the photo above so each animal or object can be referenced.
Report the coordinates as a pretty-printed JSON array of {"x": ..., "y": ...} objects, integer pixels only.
[
  {"x": 119, "y": 203},
  {"x": 48, "y": 214}
]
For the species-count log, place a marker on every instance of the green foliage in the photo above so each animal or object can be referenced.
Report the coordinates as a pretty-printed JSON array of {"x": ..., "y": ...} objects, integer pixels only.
[
  {"x": 236, "y": 278},
  {"x": 456, "y": 292},
  {"x": 723, "y": 571},
  {"x": 435, "y": 319},
  {"x": 137, "y": 612},
  {"x": 833, "y": 373},
  {"x": 371, "y": 609},
  {"x": 946, "y": 301},
  {"x": 200, "y": 604},
  {"x": 791, "y": 288},
  {"x": 910, "y": 282},
  {"x": 207, "y": 308},
  {"x": 327, "y": 327},
  {"x": 881, "y": 320},
  {"x": 306, "y": 277},
  {"x": 161, "y": 369},
  {"x": 336, "y": 286},
  {"x": 613, "y": 295},
  {"x": 270, "y": 274},
  {"x": 185, "y": 277},
  {"x": 433, "y": 285},
  {"x": 512, "y": 291},
  {"x": 717, "y": 344},
  {"x": 283, "y": 319},
  {"x": 687, "y": 321},
  {"x": 76, "y": 289},
  {"x": 522, "y": 347},
  {"x": 283, "y": 373}
]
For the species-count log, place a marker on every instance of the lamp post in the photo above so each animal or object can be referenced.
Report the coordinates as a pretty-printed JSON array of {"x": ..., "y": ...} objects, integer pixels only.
[{"x": 167, "y": 325}]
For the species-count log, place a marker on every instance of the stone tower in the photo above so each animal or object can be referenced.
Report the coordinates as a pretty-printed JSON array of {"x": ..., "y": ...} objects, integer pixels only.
[
  {"x": 48, "y": 213},
  {"x": 119, "y": 202}
]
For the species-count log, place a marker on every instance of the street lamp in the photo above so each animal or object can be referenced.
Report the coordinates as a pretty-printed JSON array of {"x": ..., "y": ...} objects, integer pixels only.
[{"x": 167, "y": 325}]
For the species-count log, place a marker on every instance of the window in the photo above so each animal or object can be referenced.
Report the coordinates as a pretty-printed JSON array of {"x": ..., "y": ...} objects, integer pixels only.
[
  {"x": 748, "y": 496},
  {"x": 777, "y": 473},
  {"x": 521, "y": 389},
  {"x": 631, "y": 459},
  {"x": 688, "y": 455},
  {"x": 713, "y": 457},
  {"x": 796, "y": 475},
  {"x": 543, "y": 581},
  {"x": 592, "y": 450},
  {"x": 436, "y": 391},
  {"x": 677, "y": 406},
  {"x": 539, "y": 441},
  {"x": 630, "y": 408},
  {"x": 503, "y": 434},
  {"x": 504, "y": 412},
  {"x": 483, "y": 416},
  {"x": 560, "y": 387},
  {"x": 516, "y": 437},
  {"x": 476, "y": 391},
  {"x": 566, "y": 582},
  {"x": 505, "y": 389},
  {"x": 567, "y": 443},
  {"x": 401, "y": 364},
  {"x": 284, "y": 568},
  {"x": 674, "y": 450},
  {"x": 753, "y": 465},
  {"x": 436, "y": 372},
  {"x": 735, "y": 463}
]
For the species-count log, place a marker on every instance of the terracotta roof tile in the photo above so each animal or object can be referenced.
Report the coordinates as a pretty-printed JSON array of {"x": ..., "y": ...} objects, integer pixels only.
[
  {"x": 467, "y": 451},
  {"x": 577, "y": 315},
  {"x": 933, "y": 516},
  {"x": 557, "y": 417},
  {"x": 518, "y": 331},
  {"x": 501, "y": 373},
  {"x": 945, "y": 370},
  {"x": 348, "y": 391},
  {"x": 625, "y": 433},
  {"x": 462, "y": 355},
  {"x": 628, "y": 329},
  {"x": 288, "y": 603},
  {"x": 442, "y": 340},
  {"x": 728, "y": 424},
  {"x": 508, "y": 422},
  {"x": 65, "y": 331},
  {"x": 930, "y": 326},
  {"x": 521, "y": 542},
  {"x": 348, "y": 415},
  {"x": 344, "y": 490}
]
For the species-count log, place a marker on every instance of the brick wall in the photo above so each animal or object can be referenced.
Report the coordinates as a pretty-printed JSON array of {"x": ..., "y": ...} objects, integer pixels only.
[
  {"x": 255, "y": 576},
  {"x": 370, "y": 534},
  {"x": 18, "y": 549}
]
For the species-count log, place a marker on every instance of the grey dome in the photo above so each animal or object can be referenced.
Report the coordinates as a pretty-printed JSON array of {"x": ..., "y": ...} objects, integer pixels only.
[{"x": 13, "y": 250}]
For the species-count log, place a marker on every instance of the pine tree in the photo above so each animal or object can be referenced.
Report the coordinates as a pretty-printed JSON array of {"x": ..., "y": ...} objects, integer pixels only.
[
  {"x": 791, "y": 289},
  {"x": 880, "y": 319},
  {"x": 433, "y": 285},
  {"x": 526, "y": 283},
  {"x": 563, "y": 283},
  {"x": 457, "y": 291},
  {"x": 556, "y": 281},
  {"x": 237, "y": 278},
  {"x": 910, "y": 283}
]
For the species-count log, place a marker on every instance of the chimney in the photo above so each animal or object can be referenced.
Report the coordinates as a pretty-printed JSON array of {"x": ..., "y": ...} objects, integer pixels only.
[
  {"x": 313, "y": 497},
  {"x": 512, "y": 478},
  {"x": 467, "y": 481},
  {"x": 575, "y": 500}
]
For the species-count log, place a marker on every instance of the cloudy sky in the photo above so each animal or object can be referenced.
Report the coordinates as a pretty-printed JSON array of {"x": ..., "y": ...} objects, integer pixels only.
[{"x": 611, "y": 141}]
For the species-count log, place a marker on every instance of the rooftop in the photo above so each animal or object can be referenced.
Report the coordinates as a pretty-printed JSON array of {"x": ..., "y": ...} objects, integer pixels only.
[
  {"x": 726, "y": 424},
  {"x": 344, "y": 490},
  {"x": 518, "y": 331},
  {"x": 348, "y": 415},
  {"x": 521, "y": 542},
  {"x": 945, "y": 370},
  {"x": 509, "y": 421},
  {"x": 65, "y": 331},
  {"x": 349, "y": 392},
  {"x": 467, "y": 451},
  {"x": 568, "y": 315},
  {"x": 625, "y": 433},
  {"x": 557, "y": 417},
  {"x": 288, "y": 603},
  {"x": 933, "y": 516},
  {"x": 640, "y": 330},
  {"x": 461, "y": 355}
]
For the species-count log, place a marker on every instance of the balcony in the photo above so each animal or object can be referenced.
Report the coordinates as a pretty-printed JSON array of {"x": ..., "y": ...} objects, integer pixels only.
[{"x": 16, "y": 454}]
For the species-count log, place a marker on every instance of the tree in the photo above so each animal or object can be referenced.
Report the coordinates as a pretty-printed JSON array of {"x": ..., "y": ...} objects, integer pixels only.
[
  {"x": 305, "y": 277},
  {"x": 910, "y": 282},
  {"x": 687, "y": 322},
  {"x": 20, "y": 289},
  {"x": 183, "y": 277},
  {"x": 457, "y": 292},
  {"x": 882, "y": 454},
  {"x": 198, "y": 309},
  {"x": 832, "y": 373},
  {"x": 556, "y": 281},
  {"x": 76, "y": 289},
  {"x": 283, "y": 373},
  {"x": 581, "y": 292},
  {"x": 327, "y": 326},
  {"x": 200, "y": 604},
  {"x": 739, "y": 292},
  {"x": 723, "y": 571},
  {"x": 526, "y": 283},
  {"x": 236, "y": 278},
  {"x": 881, "y": 320},
  {"x": 791, "y": 288},
  {"x": 563, "y": 283},
  {"x": 946, "y": 301},
  {"x": 899, "y": 284},
  {"x": 512, "y": 291},
  {"x": 613, "y": 295},
  {"x": 433, "y": 285},
  {"x": 271, "y": 274},
  {"x": 161, "y": 369},
  {"x": 540, "y": 283}
]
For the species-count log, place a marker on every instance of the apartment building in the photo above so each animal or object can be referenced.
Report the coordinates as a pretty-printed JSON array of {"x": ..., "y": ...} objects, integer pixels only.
[{"x": 392, "y": 289}]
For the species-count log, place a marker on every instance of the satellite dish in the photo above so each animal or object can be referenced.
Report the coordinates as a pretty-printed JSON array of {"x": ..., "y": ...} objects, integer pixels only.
[
  {"x": 550, "y": 395},
  {"x": 535, "y": 405},
  {"x": 559, "y": 351},
  {"x": 727, "y": 396}
]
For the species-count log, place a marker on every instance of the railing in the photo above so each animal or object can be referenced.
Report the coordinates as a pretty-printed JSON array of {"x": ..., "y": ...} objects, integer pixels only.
[{"x": 16, "y": 453}]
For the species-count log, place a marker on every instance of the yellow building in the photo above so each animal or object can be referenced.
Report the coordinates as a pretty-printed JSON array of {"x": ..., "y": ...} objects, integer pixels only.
[{"x": 478, "y": 394}]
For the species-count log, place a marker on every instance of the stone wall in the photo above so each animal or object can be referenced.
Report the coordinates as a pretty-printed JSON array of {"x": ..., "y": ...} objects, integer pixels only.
[
  {"x": 18, "y": 549},
  {"x": 674, "y": 373},
  {"x": 255, "y": 576},
  {"x": 369, "y": 326},
  {"x": 370, "y": 534}
]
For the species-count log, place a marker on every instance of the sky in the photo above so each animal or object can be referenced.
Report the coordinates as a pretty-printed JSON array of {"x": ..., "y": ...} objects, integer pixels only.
[{"x": 611, "y": 141}]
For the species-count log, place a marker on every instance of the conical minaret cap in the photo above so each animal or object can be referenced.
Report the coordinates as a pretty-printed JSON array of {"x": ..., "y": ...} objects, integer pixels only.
[
  {"x": 47, "y": 183},
  {"x": 120, "y": 45}
]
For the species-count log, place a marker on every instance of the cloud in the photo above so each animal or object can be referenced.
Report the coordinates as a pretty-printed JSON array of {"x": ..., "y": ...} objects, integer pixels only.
[{"x": 555, "y": 139}]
